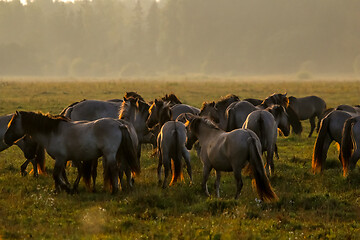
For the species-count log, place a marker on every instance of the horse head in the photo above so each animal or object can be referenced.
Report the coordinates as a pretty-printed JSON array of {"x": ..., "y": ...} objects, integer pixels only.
[
  {"x": 15, "y": 130},
  {"x": 159, "y": 112},
  {"x": 210, "y": 110},
  {"x": 281, "y": 118},
  {"x": 191, "y": 124}
]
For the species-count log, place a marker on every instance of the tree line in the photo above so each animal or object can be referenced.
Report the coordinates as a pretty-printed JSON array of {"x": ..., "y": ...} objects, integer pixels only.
[{"x": 148, "y": 37}]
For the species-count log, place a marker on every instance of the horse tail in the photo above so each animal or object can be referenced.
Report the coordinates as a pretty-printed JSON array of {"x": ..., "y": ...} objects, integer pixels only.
[
  {"x": 260, "y": 181},
  {"x": 176, "y": 163},
  {"x": 318, "y": 159},
  {"x": 230, "y": 125},
  {"x": 40, "y": 159},
  {"x": 346, "y": 146},
  {"x": 127, "y": 149},
  {"x": 323, "y": 115},
  {"x": 294, "y": 120}
]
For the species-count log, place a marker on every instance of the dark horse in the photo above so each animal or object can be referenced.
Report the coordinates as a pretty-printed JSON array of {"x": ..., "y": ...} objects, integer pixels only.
[
  {"x": 32, "y": 151},
  {"x": 308, "y": 108}
]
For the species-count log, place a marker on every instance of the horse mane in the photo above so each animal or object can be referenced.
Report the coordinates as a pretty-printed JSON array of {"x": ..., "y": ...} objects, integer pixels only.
[
  {"x": 229, "y": 98},
  {"x": 39, "y": 122},
  {"x": 133, "y": 95},
  {"x": 196, "y": 121},
  {"x": 171, "y": 98},
  {"x": 205, "y": 104}
]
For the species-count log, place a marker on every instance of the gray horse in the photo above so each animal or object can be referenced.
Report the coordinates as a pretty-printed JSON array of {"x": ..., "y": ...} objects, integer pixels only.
[
  {"x": 331, "y": 129},
  {"x": 308, "y": 107},
  {"x": 229, "y": 152},
  {"x": 265, "y": 124},
  {"x": 350, "y": 144},
  {"x": 236, "y": 114},
  {"x": 65, "y": 140},
  {"x": 171, "y": 146}
]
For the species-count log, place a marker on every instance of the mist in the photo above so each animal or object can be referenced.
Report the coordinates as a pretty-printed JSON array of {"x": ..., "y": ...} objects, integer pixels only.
[{"x": 122, "y": 38}]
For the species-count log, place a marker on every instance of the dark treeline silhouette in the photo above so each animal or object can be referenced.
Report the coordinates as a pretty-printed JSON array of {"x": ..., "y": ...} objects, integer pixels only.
[{"x": 145, "y": 37}]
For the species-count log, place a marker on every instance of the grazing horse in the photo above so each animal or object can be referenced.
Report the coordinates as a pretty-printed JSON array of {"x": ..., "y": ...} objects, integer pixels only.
[
  {"x": 350, "y": 144},
  {"x": 229, "y": 151},
  {"x": 216, "y": 110},
  {"x": 331, "y": 129},
  {"x": 265, "y": 124},
  {"x": 80, "y": 142},
  {"x": 32, "y": 152},
  {"x": 171, "y": 146},
  {"x": 308, "y": 107}
]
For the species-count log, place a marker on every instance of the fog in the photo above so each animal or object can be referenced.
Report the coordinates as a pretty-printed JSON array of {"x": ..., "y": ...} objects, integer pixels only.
[{"x": 122, "y": 38}]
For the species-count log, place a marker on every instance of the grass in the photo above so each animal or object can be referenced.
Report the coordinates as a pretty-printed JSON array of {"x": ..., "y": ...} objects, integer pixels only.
[{"x": 324, "y": 206}]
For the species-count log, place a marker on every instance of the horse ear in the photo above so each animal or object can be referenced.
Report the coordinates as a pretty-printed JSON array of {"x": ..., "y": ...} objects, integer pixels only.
[
  {"x": 137, "y": 103},
  {"x": 17, "y": 112},
  {"x": 285, "y": 94},
  {"x": 155, "y": 101}
]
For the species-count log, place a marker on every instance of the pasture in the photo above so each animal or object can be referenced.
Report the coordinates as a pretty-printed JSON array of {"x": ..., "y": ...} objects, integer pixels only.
[{"x": 323, "y": 206}]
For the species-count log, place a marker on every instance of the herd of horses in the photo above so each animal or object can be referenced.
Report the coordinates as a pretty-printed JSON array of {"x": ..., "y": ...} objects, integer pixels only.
[{"x": 229, "y": 135}]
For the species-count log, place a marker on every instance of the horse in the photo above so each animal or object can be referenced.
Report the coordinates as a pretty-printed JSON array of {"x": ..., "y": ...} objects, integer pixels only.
[
  {"x": 236, "y": 114},
  {"x": 350, "y": 144},
  {"x": 229, "y": 151},
  {"x": 171, "y": 146},
  {"x": 216, "y": 110},
  {"x": 308, "y": 107},
  {"x": 91, "y": 110},
  {"x": 283, "y": 100},
  {"x": 172, "y": 99},
  {"x": 254, "y": 101},
  {"x": 265, "y": 124},
  {"x": 32, "y": 152},
  {"x": 348, "y": 108},
  {"x": 178, "y": 109},
  {"x": 331, "y": 129},
  {"x": 80, "y": 142},
  {"x": 136, "y": 112},
  {"x": 159, "y": 113}
]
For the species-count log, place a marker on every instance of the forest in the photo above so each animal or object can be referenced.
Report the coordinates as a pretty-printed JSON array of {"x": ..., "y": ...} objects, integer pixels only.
[{"x": 121, "y": 38}]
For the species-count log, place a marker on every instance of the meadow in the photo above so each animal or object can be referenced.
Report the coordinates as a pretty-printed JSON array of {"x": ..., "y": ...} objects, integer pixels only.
[{"x": 323, "y": 206}]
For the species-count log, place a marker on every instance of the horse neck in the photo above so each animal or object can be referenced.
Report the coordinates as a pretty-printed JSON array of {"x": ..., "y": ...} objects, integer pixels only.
[{"x": 206, "y": 132}]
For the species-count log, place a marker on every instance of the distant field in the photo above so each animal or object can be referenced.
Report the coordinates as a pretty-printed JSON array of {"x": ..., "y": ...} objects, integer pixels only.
[{"x": 324, "y": 206}]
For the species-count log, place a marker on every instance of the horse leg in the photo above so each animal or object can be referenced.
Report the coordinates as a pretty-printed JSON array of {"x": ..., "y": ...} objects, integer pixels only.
[
  {"x": 239, "y": 182},
  {"x": 24, "y": 166},
  {"x": 217, "y": 183},
  {"x": 312, "y": 124},
  {"x": 79, "y": 167},
  {"x": 167, "y": 167},
  {"x": 186, "y": 156},
  {"x": 276, "y": 152},
  {"x": 35, "y": 167},
  {"x": 114, "y": 174},
  {"x": 94, "y": 174},
  {"x": 270, "y": 159},
  {"x": 354, "y": 158},
  {"x": 59, "y": 182},
  {"x": 159, "y": 169},
  {"x": 206, "y": 173}
]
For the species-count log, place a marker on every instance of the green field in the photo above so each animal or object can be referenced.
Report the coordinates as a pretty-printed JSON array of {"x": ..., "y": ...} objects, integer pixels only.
[{"x": 324, "y": 206}]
